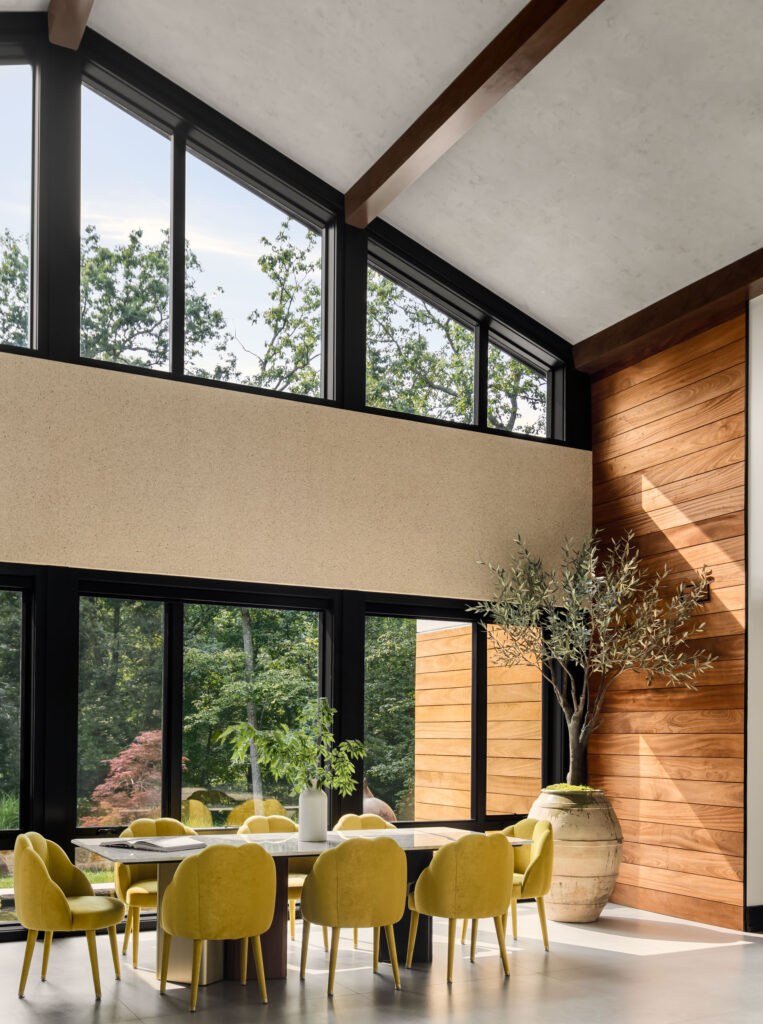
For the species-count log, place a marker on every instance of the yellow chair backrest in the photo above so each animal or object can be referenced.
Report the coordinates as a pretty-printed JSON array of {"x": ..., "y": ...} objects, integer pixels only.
[
  {"x": 197, "y": 814},
  {"x": 537, "y": 875},
  {"x": 469, "y": 878},
  {"x": 359, "y": 884},
  {"x": 268, "y": 823},
  {"x": 241, "y": 812},
  {"x": 357, "y": 821},
  {"x": 224, "y": 892},
  {"x": 43, "y": 878},
  {"x": 124, "y": 875},
  {"x": 522, "y": 830}
]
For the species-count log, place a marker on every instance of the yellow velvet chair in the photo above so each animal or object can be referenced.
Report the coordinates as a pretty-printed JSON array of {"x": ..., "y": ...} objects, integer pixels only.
[
  {"x": 52, "y": 895},
  {"x": 135, "y": 884},
  {"x": 359, "y": 884},
  {"x": 238, "y": 815},
  {"x": 224, "y": 892},
  {"x": 533, "y": 867},
  {"x": 359, "y": 821},
  {"x": 299, "y": 867},
  {"x": 471, "y": 878}
]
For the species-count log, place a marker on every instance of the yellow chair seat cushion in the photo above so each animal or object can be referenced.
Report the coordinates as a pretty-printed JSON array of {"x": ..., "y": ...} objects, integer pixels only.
[
  {"x": 90, "y": 912},
  {"x": 142, "y": 893},
  {"x": 295, "y": 886}
]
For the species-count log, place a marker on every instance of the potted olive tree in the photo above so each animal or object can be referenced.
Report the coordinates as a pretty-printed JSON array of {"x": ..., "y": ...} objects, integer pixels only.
[
  {"x": 307, "y": 757},
  {"x": 599, "y": 615}
]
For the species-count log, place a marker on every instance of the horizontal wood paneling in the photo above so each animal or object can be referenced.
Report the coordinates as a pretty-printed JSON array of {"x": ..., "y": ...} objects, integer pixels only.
[
  {"x": 514, "y": 735},
  {"x": 669, "y": 464},
  {"x": 443, "y": 724}
]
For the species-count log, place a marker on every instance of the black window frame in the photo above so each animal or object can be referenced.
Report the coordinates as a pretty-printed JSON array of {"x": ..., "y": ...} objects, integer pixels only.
[{"x": 59, "y": 75}]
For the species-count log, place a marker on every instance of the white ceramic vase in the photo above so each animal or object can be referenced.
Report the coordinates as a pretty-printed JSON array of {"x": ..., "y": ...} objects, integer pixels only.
[{"x": 313, "y": 813}]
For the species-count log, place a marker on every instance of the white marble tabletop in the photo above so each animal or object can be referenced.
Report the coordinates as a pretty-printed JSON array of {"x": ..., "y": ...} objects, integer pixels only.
[{"x": 284, "y": 844}]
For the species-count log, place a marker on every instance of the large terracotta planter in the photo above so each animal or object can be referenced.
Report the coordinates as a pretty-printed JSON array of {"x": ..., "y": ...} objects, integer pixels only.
[{"x": 588, "y": 848}]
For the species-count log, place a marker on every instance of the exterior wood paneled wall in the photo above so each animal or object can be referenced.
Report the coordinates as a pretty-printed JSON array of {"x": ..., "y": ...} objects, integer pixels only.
[
  {"x": 514, "y": 713},
  {"x": 669, "y": 464},
  {"x": 444, "y": 729}
]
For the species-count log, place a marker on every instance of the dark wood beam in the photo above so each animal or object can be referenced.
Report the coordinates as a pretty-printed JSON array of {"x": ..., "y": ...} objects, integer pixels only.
[
  {"x": 67, "y": 20},
  {"x": 536, "y": 30},
  {"x": 689, "y": 310}
]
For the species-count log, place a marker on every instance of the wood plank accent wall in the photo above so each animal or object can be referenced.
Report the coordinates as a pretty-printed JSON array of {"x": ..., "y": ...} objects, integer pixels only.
[
  {"x": 514, "y": 712},
  {"x": 669, "y": 463},
  {"x": 443, "y": 729}
]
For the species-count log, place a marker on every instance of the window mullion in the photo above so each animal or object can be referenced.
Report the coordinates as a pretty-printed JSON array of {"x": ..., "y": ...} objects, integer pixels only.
[{"x": 177, "y": 254}]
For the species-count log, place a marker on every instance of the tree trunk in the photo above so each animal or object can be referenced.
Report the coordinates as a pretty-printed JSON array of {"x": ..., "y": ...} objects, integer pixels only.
[
  {"x": 251, "y": 710},
  {"x": 576, "y": 776}
]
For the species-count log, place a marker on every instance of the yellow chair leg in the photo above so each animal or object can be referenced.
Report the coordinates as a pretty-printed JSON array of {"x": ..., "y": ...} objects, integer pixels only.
[
  {"x": 376, "y": 949},
  {"x": 244, "y": 959},
  {"x": 332, "y": 960},
  {"x": 45, "y": 955},
  {"x": 502, "y": 945},
  {"x": 463, "y": 930},
  {"x": 325, "y": 938},
  {"x": 292, "y": 917},
  {"x": 389, "y": 931},
  {"x": 94, "y": 963},
  {"x": 195, "y": 971},
  {"x": 514, "y": 919},
  {"x": 414, "y": 927},
  {"x": 305, "y": 940},
  {"x": 31, "y": 938},
  {"x": 114, "y": 951},
  {"x": 542, "y": 916},
  {"x": 354, "y": 938},
  {"x": 128, "y": 929},
  {"x": 451, "y": 946},
  {"x": 135, "y": 934},
  {"x": 260, "y": 967},
  {"x": 166, "y": 940},
  {"x": 473, "y": 950}
]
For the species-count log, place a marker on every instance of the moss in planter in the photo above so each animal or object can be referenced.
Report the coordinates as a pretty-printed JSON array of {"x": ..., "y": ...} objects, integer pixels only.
[{"x": 565, "y": 787}]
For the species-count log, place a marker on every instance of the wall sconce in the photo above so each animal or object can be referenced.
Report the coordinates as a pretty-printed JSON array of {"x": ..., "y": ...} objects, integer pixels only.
[{"x": 704, "y": 594}]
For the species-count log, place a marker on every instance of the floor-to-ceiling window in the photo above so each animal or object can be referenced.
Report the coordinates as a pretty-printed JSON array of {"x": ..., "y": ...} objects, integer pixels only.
[
  {"x": 15, "y": 204},
  {"x": 11, "y": 680}
]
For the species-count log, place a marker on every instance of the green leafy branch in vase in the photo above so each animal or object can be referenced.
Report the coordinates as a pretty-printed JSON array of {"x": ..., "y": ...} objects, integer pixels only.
[{"x": 308, "y": 756}]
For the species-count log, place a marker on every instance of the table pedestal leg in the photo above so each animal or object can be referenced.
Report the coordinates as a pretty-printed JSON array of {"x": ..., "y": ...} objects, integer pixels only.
[{"x": 181, "y": 950}]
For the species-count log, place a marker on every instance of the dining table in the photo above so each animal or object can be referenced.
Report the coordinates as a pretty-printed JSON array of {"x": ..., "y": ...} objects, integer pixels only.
[{"x": 221, "y": 959}]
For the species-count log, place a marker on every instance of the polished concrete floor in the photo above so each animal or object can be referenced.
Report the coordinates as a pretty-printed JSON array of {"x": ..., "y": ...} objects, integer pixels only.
[{"x": 629, "y": 967}]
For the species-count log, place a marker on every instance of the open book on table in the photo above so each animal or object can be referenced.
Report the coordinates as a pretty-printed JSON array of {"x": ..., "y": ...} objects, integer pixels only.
[{"x": 157, "y": 844}]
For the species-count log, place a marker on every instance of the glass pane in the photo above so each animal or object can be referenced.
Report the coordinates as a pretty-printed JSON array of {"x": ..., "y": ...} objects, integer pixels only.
[
  {"x": 99, "y": 871},
  {"x": 418, "y": 716},
  {"x": 125, "y": 237},
  {"x": 241, "y": 664},
  {"x": 15, "y": 203},
  {"x": 516, "y": 395},
  {"x": 119, "y": 774},
  {"x": 7, "y": 904},
  {"x": 253, "y": 288},
  {"x": 513, "y": 735},
  {"x": 419, "y": 359},
  {"x": 10, "y": 707}
]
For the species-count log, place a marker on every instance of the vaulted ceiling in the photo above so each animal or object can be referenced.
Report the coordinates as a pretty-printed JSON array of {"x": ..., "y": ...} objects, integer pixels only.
[{"x": 626, "y": 165}]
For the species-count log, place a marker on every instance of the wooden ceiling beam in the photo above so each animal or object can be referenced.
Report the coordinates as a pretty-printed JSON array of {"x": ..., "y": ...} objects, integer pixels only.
[
  {"x": 67, "y": 21},
  {"x": 521, "y": 46},
  {"x": 689, "y": 310}
]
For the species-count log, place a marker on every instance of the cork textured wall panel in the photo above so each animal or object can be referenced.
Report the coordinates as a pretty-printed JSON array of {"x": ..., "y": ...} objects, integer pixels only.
[{"x": 126, "y": 472}]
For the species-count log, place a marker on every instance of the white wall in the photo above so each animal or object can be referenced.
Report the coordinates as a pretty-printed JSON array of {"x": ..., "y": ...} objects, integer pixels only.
[{"x": 755, "y": 609}]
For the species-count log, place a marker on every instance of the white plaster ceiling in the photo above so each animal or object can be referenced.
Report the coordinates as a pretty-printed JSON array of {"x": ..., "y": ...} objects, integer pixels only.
[{"x": 626, "y": 165}]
